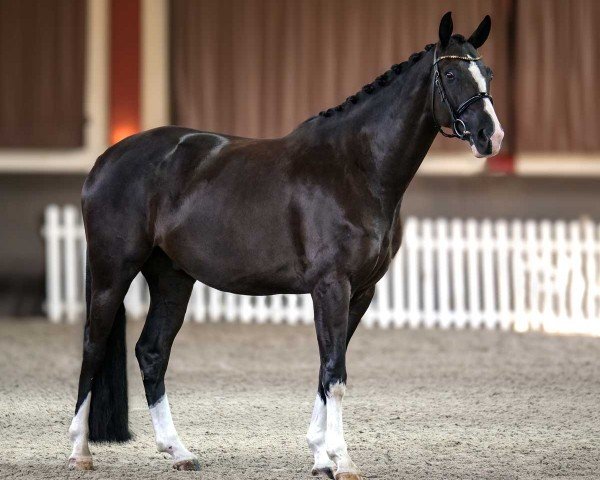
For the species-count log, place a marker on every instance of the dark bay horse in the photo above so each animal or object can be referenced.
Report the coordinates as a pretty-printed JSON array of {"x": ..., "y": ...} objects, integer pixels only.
[{"x": 317, "y": 211}]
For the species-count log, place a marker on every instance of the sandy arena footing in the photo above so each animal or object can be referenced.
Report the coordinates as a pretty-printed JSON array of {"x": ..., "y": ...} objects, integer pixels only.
[{"x": 420, "y": 404}]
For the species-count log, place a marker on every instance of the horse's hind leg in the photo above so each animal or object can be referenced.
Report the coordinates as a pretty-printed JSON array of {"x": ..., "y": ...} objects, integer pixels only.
[
  {"x": 170, "y": 290},
  {"x": 315, "y": 437},
  {"x": 101, "y": 409}
]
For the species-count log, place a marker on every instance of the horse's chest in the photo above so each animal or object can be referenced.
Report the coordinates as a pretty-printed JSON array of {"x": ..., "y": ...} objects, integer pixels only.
[
  {"x": 390, "y": 238},
  {"x": 375, "y": 261}
]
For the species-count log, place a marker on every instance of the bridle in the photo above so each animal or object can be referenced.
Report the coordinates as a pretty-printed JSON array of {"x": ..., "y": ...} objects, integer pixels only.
[{"x": 459, "y": 128}]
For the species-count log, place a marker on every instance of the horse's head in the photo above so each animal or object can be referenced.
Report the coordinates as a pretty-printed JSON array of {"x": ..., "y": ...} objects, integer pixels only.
[{"x": 460, "y": 91}]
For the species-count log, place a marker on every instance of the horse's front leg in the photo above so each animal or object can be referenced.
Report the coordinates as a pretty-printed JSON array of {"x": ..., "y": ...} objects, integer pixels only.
[
  {"x": 323, "y": 465},
  {"x": 331, "y": 299}
]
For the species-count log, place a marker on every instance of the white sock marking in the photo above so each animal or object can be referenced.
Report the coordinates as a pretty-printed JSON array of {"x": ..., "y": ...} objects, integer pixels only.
[
  {"x": 316, "y": 436},
  {"x": 167, "y": 439},
  {"x": 498, "y": 134},
  {"x": 334, "y": 438},
  {"x": 79, "y": 431}
]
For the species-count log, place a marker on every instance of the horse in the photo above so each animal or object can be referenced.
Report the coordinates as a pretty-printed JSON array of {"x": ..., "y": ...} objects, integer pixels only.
[{"x": 316, "y": 211}]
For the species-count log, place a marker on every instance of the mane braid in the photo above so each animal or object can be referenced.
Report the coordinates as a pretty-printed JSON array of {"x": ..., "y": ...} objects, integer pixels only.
[{"x": 381, "y": 81}]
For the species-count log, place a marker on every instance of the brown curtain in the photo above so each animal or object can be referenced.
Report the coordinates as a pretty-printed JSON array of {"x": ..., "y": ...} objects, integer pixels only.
[
  {"x": 557, "y": 100},
  {"x": 41, "y": 73},
  {"x": 260, "y": 67}
]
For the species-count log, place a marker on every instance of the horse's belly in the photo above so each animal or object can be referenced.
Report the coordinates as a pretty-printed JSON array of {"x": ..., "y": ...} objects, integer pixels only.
[{"x": 256, "y": 261}]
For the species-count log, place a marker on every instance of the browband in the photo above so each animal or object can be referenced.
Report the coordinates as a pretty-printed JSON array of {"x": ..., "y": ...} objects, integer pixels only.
[{"x": 466, "y": 58}]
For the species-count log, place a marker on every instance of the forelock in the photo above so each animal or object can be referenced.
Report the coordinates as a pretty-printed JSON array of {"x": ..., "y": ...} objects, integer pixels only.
[{"x": 459, "y": 46}]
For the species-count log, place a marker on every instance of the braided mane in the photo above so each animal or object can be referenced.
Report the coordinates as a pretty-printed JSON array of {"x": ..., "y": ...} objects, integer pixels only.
[{"x": 380, "y": 82}]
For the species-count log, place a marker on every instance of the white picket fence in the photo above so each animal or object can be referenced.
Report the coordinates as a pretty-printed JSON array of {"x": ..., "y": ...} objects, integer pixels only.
[{"x": 520, "y": 275}]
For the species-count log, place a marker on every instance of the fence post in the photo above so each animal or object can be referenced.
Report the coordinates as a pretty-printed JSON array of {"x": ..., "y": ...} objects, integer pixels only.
[
  {"x": 52, "y": 233},
  {"x": 261, "y": 310},
  {"x": 246, "y": 309},
  {"x": 597, "y": 279},
  {"x": 577, "y": 279},
  {"x": 83, "y": 259},
  {"x": 198, "y": 303},
  {"x": 428, "y": 277},
  {"x": 398, "y": 282},
  {"x": 292, "y": 309},
  {"x": 133, "y": 300},
  {"x": 413, "y": 246},
  {"x": 546, "y": 272},
  {"x": 276, "y": 309},
  {"x": 590, "y": 269},
  {"x": 215, "y": 306},
  {"x": 503, "y": 278},
  {"x": 473, "y": 274},
  {"x": 307, "y": 309},
  {"x": 487, "y": 253},
  {"x": 521, "y": 322},
  {"x": 230, "y": 310},
  {"x": 562, "y": 270},
  {"x": 443, "y": 286},
  {"x": 383, "y": 293},
  {"x": 70, "y": 263},
  {"x": 458, "y": 273},
  {"x": 532, "y": 266}
]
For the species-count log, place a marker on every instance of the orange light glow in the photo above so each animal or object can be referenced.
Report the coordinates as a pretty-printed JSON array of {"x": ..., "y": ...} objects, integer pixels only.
[
  {"x": 119, "y": 132},
  {"x": 124, "y": 118}
]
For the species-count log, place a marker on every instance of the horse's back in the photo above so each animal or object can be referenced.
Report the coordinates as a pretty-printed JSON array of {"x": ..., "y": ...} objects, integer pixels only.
[{"x": 141, "y": 156}]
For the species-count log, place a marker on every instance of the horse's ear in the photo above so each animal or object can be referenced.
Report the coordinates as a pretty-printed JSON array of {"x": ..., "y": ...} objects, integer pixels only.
[
  {"x": 446, "y": 29},
  {"x": 481, "y": 34}
]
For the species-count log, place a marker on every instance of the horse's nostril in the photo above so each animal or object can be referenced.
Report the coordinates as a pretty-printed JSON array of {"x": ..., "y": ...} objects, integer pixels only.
[{"x": 482, "y": 135}]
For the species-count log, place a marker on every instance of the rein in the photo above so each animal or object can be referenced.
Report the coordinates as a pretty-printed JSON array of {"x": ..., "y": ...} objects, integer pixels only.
[{"x": 459, "y": 128}]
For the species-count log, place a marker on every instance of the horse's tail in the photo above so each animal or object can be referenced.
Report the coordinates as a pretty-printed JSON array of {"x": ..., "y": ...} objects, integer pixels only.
[{"x": 109, "y": 411}]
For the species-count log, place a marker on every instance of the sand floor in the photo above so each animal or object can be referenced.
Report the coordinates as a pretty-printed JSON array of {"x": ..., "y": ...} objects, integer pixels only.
[{"x": 420, "y": 404}]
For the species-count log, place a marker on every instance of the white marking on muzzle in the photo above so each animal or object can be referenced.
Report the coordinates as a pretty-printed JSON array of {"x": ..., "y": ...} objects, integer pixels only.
[{"x": 498, "y": 134}]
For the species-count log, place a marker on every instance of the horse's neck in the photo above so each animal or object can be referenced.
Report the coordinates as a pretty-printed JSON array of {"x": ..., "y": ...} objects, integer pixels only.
[
  {"x": 402, "y": 133},
  {"x": 389, "y": 133}
]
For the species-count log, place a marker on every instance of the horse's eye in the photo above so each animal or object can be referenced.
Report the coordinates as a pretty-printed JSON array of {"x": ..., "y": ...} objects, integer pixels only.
[{"x": 450, "y": 75}]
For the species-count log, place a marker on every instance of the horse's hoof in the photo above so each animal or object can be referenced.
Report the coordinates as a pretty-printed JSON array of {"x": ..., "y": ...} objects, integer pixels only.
[
  {"x": 322, "y": 472},
  {"x": 348, "y": 476},
  {"x": 81, "y": 463},
  {"x": 190, "y": 465}
]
